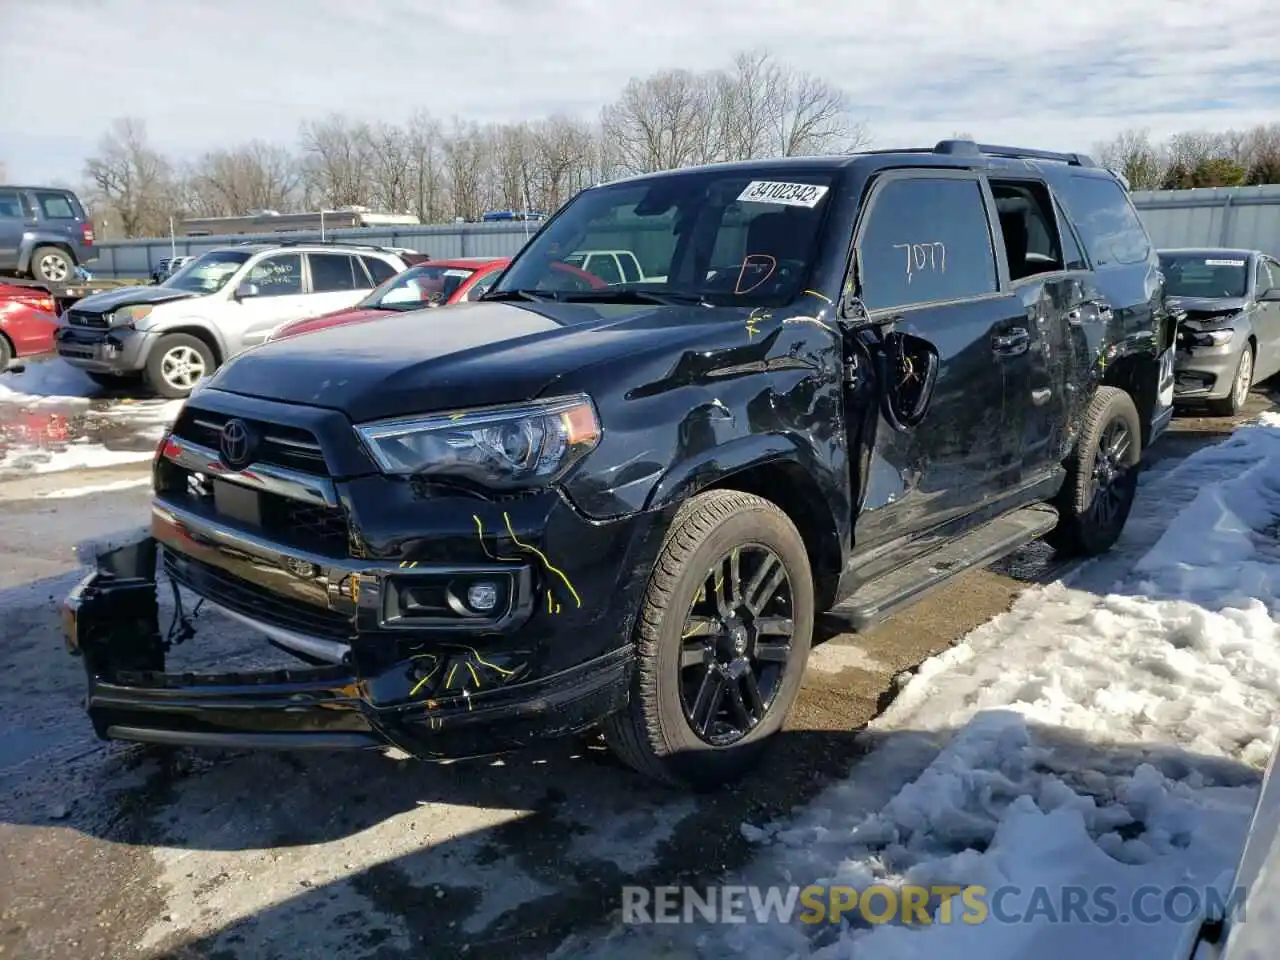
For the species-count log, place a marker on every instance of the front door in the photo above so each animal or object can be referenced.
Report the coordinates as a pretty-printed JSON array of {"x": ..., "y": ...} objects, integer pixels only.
[
  {"x": 1268, "y": 319},
  {"x": 927, "y": 268},
  {"x": 281, "y": 296}
]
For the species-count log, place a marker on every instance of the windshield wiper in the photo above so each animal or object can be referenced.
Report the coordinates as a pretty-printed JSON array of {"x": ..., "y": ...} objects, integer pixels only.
[
  {"x": 538, "y": 295},
  {"x": 633, "y": 296}
]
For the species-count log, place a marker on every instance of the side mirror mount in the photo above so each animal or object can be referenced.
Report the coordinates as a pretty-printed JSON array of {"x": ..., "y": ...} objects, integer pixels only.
[
  {"x": 1271, "y": 296},
  {"x": 247, "y": 290}
]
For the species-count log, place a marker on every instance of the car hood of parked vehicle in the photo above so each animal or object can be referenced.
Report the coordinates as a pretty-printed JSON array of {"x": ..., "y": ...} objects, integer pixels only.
[
  {"x": 474, "y": 354},
  {"x": 1208, "y": 304},
  {"x": 109, "y": 300}
]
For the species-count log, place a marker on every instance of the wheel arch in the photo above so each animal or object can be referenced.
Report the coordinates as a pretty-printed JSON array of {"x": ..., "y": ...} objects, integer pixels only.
[{"x": 200, "y": 332}]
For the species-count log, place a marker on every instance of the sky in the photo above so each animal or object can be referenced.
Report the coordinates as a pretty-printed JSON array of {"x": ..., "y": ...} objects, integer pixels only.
[{"x": 205, "y": 74}]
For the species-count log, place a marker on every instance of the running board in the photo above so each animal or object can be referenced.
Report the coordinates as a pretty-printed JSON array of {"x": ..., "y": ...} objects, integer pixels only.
[{"x": 876, "y": 600}]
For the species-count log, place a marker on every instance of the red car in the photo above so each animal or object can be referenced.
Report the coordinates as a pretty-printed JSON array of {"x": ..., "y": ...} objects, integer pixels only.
[
  {"x": 437, "y": 283},
  {"x": 28, "y": 317}
]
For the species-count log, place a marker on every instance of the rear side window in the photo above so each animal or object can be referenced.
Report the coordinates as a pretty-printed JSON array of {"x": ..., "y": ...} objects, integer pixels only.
[
  {"x": 10, "y": 205},
  {"x": 55, "y": 206},
  {"x": 630, "y": 269},
  {"x": 1108, "y": 223},
  {"x": 335, "y": 272},
  {"x": 604, "y": 266},
  {"x": 926, "y": 240},
  {"x": 380, "y": 270}
]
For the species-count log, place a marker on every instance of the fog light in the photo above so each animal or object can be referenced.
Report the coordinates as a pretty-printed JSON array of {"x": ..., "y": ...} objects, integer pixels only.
[{"x": 482, "y": 596}]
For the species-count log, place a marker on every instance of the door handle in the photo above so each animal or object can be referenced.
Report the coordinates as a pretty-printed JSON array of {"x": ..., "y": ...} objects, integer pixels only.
[{"x": 1013, "y": 343}]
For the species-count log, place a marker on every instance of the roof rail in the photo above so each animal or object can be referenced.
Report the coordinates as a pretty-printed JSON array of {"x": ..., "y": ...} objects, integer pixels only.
[
  {"x": 969, "y": 148},
  {"x": 291, "y": 242}
]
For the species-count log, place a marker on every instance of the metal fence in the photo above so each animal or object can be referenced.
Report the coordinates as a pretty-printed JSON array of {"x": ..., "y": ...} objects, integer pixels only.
[{"x": 1217, "y": 216}]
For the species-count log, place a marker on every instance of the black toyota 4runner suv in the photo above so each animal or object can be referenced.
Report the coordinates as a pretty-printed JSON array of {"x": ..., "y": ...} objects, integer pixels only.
[{"x": 843, "y": 381}]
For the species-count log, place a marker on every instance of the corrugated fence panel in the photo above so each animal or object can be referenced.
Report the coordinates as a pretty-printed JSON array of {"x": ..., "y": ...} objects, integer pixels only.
[{"x": 1219, "y": 216}]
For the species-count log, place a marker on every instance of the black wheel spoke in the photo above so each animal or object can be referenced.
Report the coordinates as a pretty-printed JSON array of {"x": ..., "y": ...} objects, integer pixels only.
[
  {"x": 775, "y": 626},
  {"x": 706, "y": 706},
  {"x": 758, "y": 598},
  {"x": 1119, "y": 445},
  {"x": 698, "y": 626},
  {"x": 772, "y": 651},
  {"x": 693, "y": 653},
  {"x": 755, "y": 704},
  {"x": 738, "y": 704},
  {"x": 734, "y": 590}
]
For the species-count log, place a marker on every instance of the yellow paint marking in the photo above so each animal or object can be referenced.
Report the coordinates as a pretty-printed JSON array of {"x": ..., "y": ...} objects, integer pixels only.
[
  {"x": 541, "y": 556},
  {"x": 821, "y": 296}
]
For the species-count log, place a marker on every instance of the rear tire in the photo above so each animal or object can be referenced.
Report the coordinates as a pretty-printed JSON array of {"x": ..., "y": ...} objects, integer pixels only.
[
  {"x": 52, "y": 265},
  {"x": 711, "y": 687},
  {"x": 1102, "y": 477},
  {"x": 174, "y": 363},
  {"x": 1231, "y": 404},
  {"x": 6, "y": 353}
]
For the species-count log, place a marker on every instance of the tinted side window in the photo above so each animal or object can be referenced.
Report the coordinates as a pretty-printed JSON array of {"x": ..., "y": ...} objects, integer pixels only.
[
  {"x": 334, "y": 272},
  {"x": 481, "y": 286},
  {"x": 926, "y": 240},
  {"x": 1108, "y": 223},
  {"x": 380, "y": 270},
  {"x": 1271, "y": 279},
  {"x": 630, "y": 269},
  {"x": 55, "y": 206},
  {"x": 10, "y": 205},
  {"x": 278, "y": 276}
]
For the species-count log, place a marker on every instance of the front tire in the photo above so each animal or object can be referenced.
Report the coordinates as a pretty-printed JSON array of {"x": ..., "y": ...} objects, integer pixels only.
[
  {"x": 1102, "y": 477},
  {"x": 176, "y": 363},
  {"x": 1231, "y": 404},
  {"x": 722, "y": 640}
]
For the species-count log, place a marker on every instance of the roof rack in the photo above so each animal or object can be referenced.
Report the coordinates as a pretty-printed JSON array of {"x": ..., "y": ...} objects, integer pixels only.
[
  {"x": 968, "y": 148},
  {"x": 327, "y": 243}
]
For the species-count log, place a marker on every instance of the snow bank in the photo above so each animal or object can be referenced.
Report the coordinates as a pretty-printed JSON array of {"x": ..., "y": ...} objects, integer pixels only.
[
  {"x": 1107, "y": 732},
  {"x": 47, "y": 379}
]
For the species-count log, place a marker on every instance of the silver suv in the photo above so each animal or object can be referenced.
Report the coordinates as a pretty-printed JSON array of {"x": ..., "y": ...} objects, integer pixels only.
[{"x": 220, "y": 303}]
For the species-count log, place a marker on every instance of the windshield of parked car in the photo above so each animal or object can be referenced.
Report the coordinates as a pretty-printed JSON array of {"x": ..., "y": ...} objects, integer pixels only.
[
  {"x": 726, "y": 238},
  {"x": 429, "y": 285},
  {"x": 1210, "y": 275},
  {"x": 207, "y": 273}
]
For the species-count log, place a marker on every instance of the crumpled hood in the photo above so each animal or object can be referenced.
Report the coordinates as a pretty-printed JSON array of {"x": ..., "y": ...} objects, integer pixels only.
[
  {"x": 472, "y": 354},
  {"x": 1208, "y": 304},
  {"x": 110, "y": 300}
]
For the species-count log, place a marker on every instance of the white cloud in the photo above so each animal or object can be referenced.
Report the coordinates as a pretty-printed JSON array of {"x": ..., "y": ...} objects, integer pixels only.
[{"x": 1040, "y": 72}]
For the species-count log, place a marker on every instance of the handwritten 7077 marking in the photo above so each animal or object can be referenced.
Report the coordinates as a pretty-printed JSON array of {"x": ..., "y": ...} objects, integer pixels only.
[{"x": 924, "y": 255}]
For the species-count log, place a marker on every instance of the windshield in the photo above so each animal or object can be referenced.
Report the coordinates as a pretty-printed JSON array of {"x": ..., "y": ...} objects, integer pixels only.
[
  {"x": 207, "y": 273},
  {"x": 427, "y": 286},
  {"x": 1204, "y": 275},
  {"x": 726, "y": 238}
]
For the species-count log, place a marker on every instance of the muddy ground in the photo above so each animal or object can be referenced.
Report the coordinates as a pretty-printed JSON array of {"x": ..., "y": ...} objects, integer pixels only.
[{"x": 120, "y": 851}]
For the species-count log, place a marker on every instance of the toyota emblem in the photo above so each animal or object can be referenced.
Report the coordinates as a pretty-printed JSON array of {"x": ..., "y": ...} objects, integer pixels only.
[{"x": 236, "y": 444}]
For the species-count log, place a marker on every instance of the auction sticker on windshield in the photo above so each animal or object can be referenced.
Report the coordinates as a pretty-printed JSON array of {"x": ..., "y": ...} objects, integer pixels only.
[
  {"x": 1224, "y": 263},
  {"x": 787, "y": 194}
]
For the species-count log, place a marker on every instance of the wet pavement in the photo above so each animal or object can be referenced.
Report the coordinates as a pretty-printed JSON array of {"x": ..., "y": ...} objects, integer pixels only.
[
  {"x": 112, "y": 850},
  {"x": 55, "y": 419}
]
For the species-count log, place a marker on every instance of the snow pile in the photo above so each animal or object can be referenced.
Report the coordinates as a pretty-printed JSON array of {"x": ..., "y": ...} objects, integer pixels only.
[
  {"x": 52, "y": 379},
  {"x": 1108, "y": 731}
]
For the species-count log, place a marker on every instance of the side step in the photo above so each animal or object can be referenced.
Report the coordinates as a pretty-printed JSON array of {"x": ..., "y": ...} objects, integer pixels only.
[{"x": 876, "y": 600}]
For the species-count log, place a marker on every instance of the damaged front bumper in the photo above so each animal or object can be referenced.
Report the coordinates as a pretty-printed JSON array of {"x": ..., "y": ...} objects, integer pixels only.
[{"x": 372, "y": 696}]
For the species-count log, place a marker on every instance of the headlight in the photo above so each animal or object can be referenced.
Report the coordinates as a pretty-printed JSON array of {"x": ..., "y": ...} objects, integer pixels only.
[
  {"x": 127, "y": 315},
  {"x": 503, "y": 447},
  {"x": 1212, "y": 338}
]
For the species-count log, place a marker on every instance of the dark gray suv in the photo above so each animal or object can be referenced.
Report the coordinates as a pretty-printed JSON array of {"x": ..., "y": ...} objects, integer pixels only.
[{"x": 44, "y": 233}]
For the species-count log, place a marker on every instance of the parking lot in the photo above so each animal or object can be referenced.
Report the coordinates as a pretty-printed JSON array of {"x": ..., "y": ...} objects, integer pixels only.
[{"x": 122, "y": 851}]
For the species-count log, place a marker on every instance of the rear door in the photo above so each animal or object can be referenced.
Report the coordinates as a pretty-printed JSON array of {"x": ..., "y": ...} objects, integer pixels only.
[
  {"x": 927, "y": 268},
  {"x": 337, "y": 281},
  {"x": 13, "y": 220},
  {"x": 1049, "y": 275}
]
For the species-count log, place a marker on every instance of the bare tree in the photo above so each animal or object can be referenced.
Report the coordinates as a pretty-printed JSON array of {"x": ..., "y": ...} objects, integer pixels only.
[
  {"x": 1262, "y": 154},
  {"x": 430, "y": 189},
  {"x": 393, "y": 180},
  {"x": 256, "y": 176},
  {"x": 338, "y": 157},
  {"x": 811, "y": 116},
  {"x": 1132, "y": 153},
  {"x": 465, "y": 156},
  {"x": 131, "y": 179},
  {"x": 663, "y": 121}
]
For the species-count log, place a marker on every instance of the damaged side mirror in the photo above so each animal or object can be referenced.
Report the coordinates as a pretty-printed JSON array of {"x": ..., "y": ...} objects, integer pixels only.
[{"x": 908, "y": 373}]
